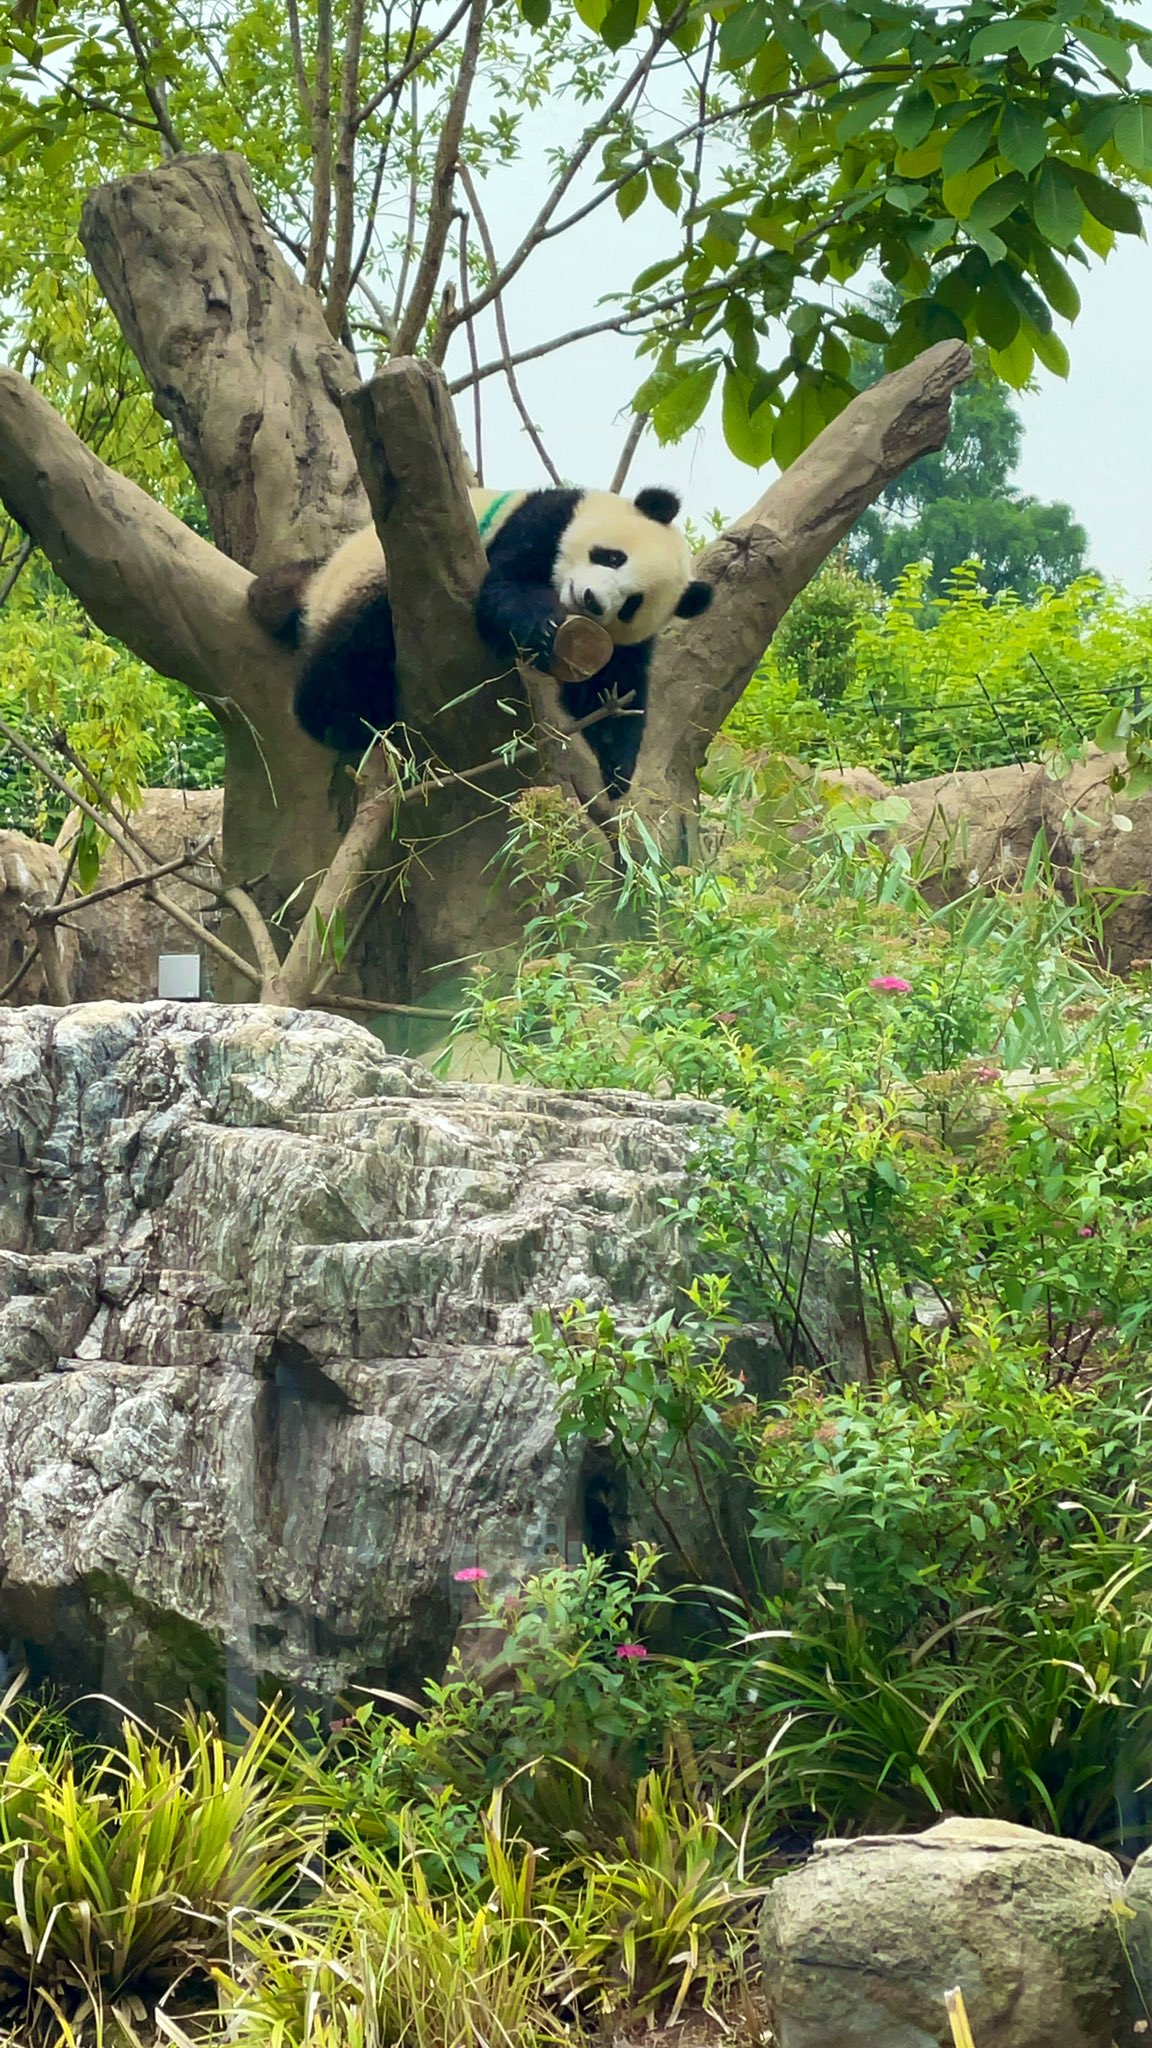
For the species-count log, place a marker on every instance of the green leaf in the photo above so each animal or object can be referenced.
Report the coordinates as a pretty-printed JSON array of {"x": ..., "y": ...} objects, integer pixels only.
[
  {"x": 802, "y": 417},
  {"x": 1106, "y": 203},
  {"x": 997, "y": 315},
  {"x": 1055, "y": 283},
  {"x": 743, "y": 34},
  {"x": 1032, "y": 306},
  {"x": 632, "y": 194},
  {"x": 666, "y": 185},
  {"x": 535, "y": 12},
  {"x": 995, "y": 40},
  {"x": 1133, "y": 134},
  {"x": 1052, "y": 353},
  {"x": 866, "y": 109},
  {"x": 1057, "y": 209},
  {"x": 1014, "y": 363},
  {"x": 1037, "y": 41},
  {"x": 998, "y": 201},
  {"x": 914, "y": 118},
  {"x": 682, "y": 406},
  {"x": 619, "y": 23},
  {"x": 968, "y": 143},
  {"x": 1114, "y": 56},
  {"x": 749, "y": 433},
  {"x": 1023, "y": 137}
]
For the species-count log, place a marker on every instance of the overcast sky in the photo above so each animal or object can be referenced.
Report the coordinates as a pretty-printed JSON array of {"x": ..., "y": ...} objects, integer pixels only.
[{"x": 1087, "y": 441}]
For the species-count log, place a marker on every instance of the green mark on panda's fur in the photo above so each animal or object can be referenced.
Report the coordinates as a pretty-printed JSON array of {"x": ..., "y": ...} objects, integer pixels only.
[{"x": 491, "y": 513}]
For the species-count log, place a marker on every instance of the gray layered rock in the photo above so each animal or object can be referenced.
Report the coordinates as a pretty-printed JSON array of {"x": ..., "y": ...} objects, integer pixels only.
[
  {"x": 265, "y": 1306},
  {"x": 861, "y": 1944}
]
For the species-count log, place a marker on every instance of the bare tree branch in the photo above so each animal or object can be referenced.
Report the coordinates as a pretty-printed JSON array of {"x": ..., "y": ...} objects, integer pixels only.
[
  {"x": 139, "y": 572},
  {"x": 632, "y": 441},
  {"x": 762, "y": 561},
  {"x": 440, "y": 201},
  {"x": 321, "y": 140},
  {"x": 300, "y": 69},
  {"x": 474, "y": 358},
  {"x": 528, "y": 423},
  {"x": 539, "y": 229},
  {"x": 344, "y": 173},
  {"x": 393, "y": 86},
  {"x": 153, "y": 89}
]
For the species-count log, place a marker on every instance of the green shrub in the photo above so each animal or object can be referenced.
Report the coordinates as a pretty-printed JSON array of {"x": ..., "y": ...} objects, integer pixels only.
[
  {"x": 916, "y": 685},
  {"x": 119, "y": 1875}
]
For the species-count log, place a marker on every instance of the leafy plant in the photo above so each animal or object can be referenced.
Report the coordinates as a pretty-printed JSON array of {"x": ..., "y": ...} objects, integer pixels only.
[{"x": 120, "y": 1876}]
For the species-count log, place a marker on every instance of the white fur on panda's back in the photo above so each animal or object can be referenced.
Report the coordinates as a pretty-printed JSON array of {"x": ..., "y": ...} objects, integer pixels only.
[{"x": 356, "y": 573}]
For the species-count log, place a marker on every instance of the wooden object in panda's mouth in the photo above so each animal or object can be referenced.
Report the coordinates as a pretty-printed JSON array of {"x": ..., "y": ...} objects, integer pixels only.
[{"x": 581, "y": 649}]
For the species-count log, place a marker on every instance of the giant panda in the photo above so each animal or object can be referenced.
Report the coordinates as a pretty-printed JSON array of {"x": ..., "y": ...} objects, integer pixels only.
[{"x": 550, "y": 553}]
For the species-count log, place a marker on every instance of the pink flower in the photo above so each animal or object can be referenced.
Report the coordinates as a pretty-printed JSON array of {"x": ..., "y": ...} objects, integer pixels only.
[
  {"x": 987, "y": 1073},
  {"x": 471, "y": 1575},
  {"x": 1087, "y": 1230},
  {"x": 631, "y": 1650},
  {"x": 890, "y": 985}
]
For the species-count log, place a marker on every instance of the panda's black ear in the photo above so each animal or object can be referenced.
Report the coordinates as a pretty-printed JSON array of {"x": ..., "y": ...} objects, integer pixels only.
[
  {"x": 696, "y": 599},
  {"x": 662, "y": 506}
]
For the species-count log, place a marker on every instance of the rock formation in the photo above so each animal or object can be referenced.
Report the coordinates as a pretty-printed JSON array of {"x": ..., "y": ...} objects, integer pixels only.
[{"x": 265, "y": 1307}]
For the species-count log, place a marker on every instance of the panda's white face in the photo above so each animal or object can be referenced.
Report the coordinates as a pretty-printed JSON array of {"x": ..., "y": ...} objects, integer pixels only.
[{"x": 621, "y": 567}]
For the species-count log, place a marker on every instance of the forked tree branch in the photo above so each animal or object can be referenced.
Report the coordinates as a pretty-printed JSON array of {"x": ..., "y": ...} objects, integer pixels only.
[
  {"x": 767, "y": 557},
  {"x": 138, "y": 571}
]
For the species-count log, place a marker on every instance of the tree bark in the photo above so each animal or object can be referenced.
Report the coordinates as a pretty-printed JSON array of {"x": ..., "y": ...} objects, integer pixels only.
[
  {"x": 237, "y": 352},
  {"x": 765, "y": 559},
  {"x": 266, "y": 410}
]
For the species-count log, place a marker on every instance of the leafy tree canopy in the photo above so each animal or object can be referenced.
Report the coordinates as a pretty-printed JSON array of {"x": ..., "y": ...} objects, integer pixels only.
[{"x": 975, "y": 157}]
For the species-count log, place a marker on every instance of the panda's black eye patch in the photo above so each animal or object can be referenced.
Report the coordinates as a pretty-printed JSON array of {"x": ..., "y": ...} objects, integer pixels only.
[
  {"x": 630, "y": 607},
  {"x": 607, "y": 558}
]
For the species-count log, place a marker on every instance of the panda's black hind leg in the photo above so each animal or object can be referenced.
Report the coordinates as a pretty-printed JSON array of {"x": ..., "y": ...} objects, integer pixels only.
[{"x": 347, "y": 686}]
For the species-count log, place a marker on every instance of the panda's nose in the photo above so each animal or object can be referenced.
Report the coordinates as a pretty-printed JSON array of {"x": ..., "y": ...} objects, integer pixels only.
[{"x": 592, "y": 604}]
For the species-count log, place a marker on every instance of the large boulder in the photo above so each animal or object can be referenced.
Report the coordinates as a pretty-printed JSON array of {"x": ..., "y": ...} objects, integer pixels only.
[
  {"x": 266, "y": 1379},
  {"x": 31, "y": 878},
  {"x": 861, "y": 1944},
  {"x": 122, "y": 938}
]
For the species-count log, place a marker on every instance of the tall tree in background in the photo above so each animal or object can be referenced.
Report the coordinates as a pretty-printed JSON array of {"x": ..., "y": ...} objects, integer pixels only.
[
  {"x": 971, "y": 155},
  {"x": 961, "y": 504}
]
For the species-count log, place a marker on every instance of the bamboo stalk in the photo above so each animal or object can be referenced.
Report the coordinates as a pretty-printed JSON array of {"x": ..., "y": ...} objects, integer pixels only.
[{"x": 958, "y": 2019}]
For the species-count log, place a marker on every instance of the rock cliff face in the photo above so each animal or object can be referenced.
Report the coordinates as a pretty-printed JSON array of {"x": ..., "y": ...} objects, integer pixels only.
[{"x": 265, "y": 1303}]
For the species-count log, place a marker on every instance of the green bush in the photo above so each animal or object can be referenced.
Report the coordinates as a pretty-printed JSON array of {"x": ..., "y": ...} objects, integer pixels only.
[
  {"x": 128, "y": 726},
  {"x": 916, "y": 685}
]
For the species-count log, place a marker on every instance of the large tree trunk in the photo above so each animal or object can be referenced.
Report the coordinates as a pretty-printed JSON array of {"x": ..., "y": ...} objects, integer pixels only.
[{"x": 289, "y": 453}]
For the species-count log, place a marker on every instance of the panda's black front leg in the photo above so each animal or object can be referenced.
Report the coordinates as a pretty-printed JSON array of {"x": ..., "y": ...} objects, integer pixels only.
[{"x": 518, "y": 621}]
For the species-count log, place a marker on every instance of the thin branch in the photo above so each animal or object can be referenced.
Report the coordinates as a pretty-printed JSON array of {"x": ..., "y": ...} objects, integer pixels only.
[
  {"x": 615, "y": 323},
  {"x": 14, "y": 980},
  {"x": 153, "y": 88},
  {"x": 701, "y": 115},
  {"x": 538, "y": 230},
  {"x": 473, "y": 355},
  {"x": 413, "y": 202},
  {"x": 344, "y": 174},
  {"x": 201, "y": 932},
  {"x": 394, "y": 86},
  {"x": 300, "y": 69},
  {"x": 529, "y": 424},
  {"x": 237, "y": 899},
  {"x": 23, "y": 553},
  {"x": 55, "y": 911},
  {"x": 631, "y": 444},
  {"x": 321, "y": 147},
  {"x": 443, "y": 183},
  {"x": 371, "y": 211},
  {"x": 389, "y": 1009}
]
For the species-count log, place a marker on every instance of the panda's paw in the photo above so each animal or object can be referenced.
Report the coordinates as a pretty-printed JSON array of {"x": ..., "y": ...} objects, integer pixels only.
[{"x": 581, "y": 649}]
